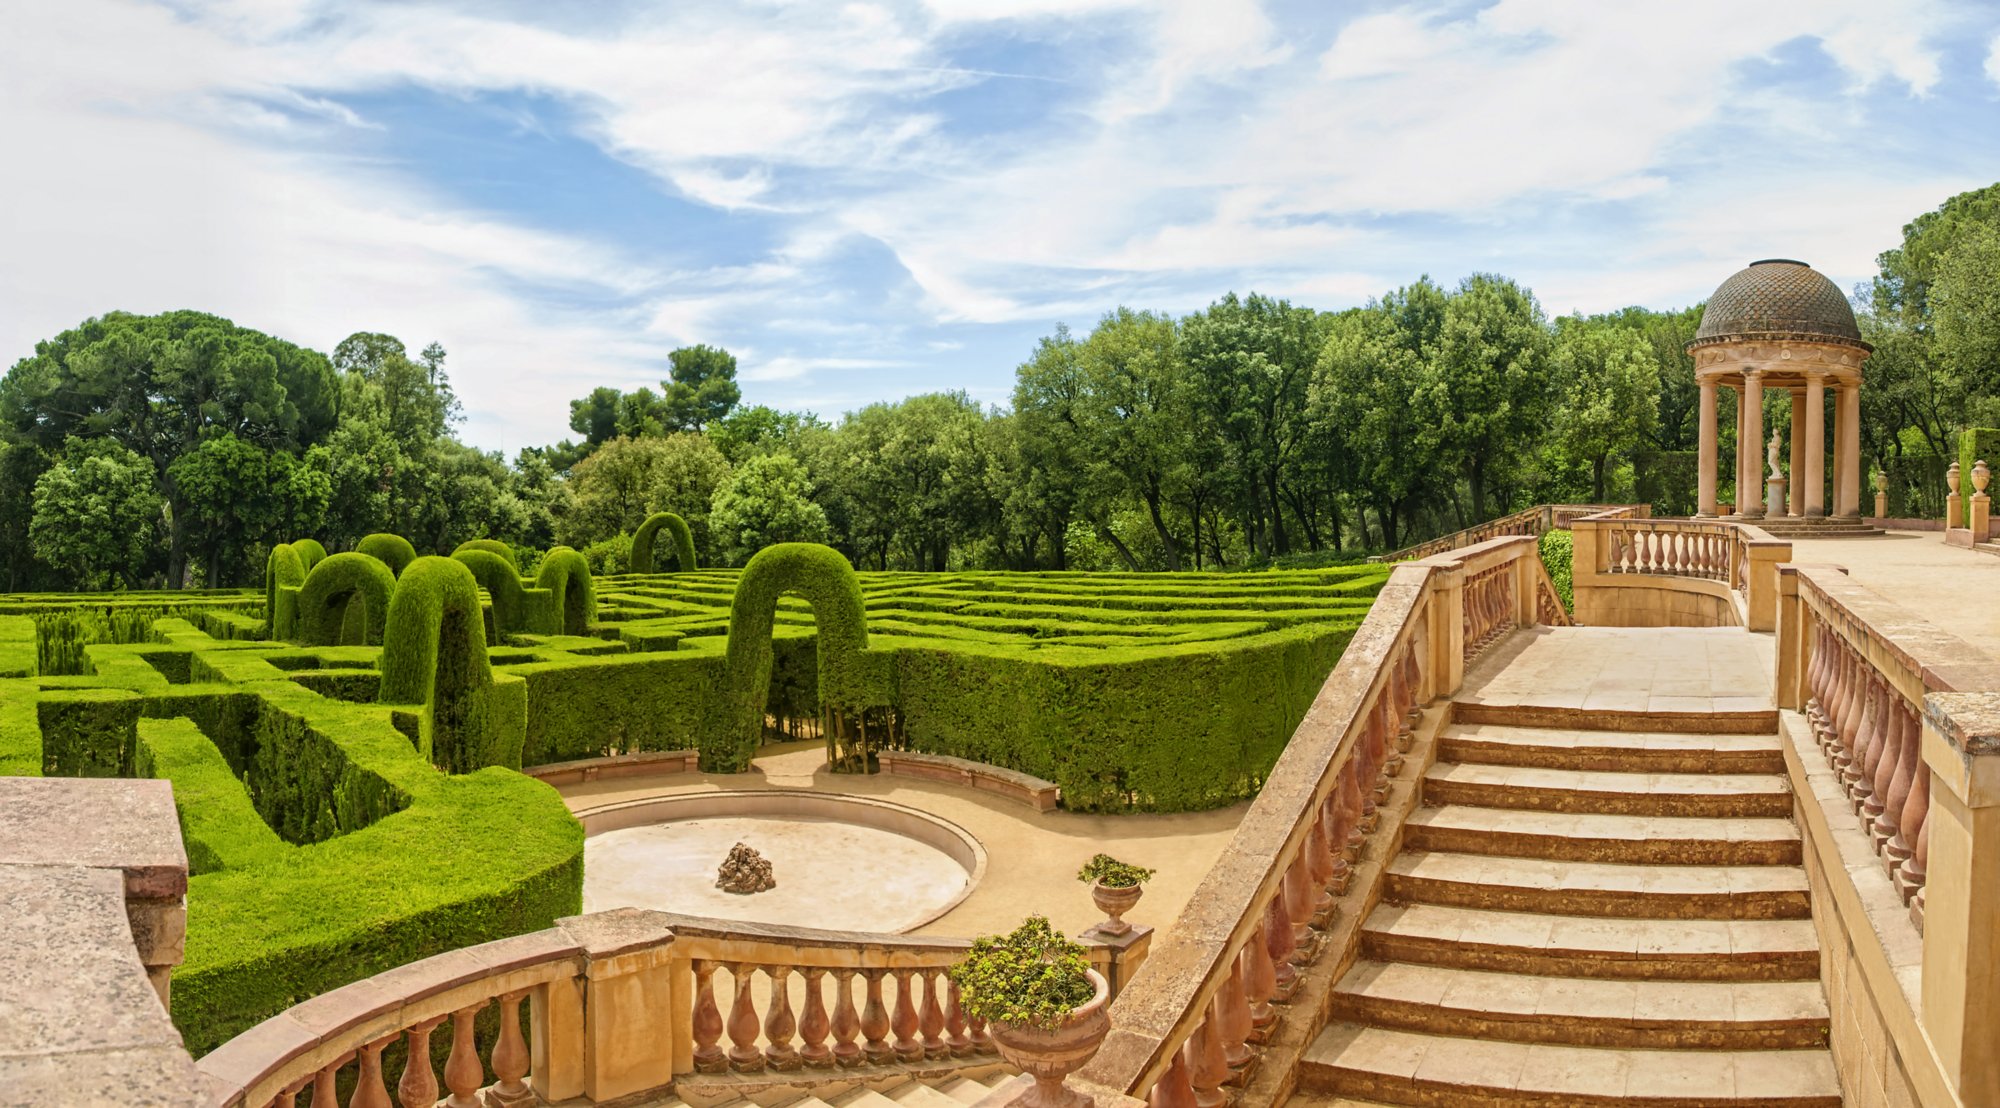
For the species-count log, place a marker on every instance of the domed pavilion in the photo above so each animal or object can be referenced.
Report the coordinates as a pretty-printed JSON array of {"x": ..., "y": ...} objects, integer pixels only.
[{"x": 1780, "y": 324}]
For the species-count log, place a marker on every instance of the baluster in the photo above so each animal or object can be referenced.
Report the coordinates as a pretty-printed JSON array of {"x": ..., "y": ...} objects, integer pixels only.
[
  {"x": 1816, "y": 682},
  {"x": 982, "y": 1043},
  {"x": 324, "y": 1081},
  {"x": 903, "y": 1018},
  {"x": 1880, "y": 760},
  {"x": 369, "y": 1091},
  {"x": 708, "y": 1054},
  {"x": 956, "y": 1040},
  {"x": 419, "y": 1087},
  {"x": 1175, "y": 1088},
  {"x": 744, "y": 1054},
  {"x": 1296, "y": 888},
  {"x": 1278, "y": 943},
  {"x": 510, "y": 1053},
  {"x": 1848, "y": 721},
  {"x": 1910, "y": 832},
  {"x": 1211, "y": 1069},
  {"x": 1337, "y": 825},
  {"x": 463, "y": 1071},
  {"x": 1260, "y": 984},
  {"x": 1413, "y": 714},
  {"x": 1916, "y": 871},
  {"x": 1319, "y": 868},
  {"x": 288, "y": 1097},
  {"x": 875, "y": 1020},
  {"x": 814, "y": 1025},
  {"x": 930, "y": 1018},
  {"x": 1859, "y": 775},
  {"x": 846, "y": 1021},
  {"x": 1352, "y": 802},
  {"x": 779, "y": 1024},
  {"x": 1234, "y": 1027},
  {"x": 1896, "y": 785}
]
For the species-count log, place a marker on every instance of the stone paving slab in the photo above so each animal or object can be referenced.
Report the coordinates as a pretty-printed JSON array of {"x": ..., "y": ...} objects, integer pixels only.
[
  {"x": 1950, "y": 586},
  {"x": 1625, "y": 670}
]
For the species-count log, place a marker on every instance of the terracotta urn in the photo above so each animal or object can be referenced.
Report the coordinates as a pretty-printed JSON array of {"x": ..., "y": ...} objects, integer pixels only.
[
  {"x": 1049, "y": 1055},
  {"x": 1114, "y": 901}
]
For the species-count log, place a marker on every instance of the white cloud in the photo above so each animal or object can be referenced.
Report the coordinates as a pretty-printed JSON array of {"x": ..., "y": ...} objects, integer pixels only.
[{"x": 1993, "y": 61}]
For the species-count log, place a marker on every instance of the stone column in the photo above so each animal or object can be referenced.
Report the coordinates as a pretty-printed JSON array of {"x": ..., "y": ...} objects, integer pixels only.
[
  {"x": 1705, "y": 505},
  {"x": 1750, "y": 441},
  {"x": 1847, "y": 490},
  {"x": 1815, "y": 482},
  {"x": 1798, "y": 469},
  {"x": 1742, "y": 462}
]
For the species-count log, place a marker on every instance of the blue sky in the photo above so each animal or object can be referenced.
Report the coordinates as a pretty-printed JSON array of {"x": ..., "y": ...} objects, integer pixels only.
[{"x": 867, "y": 200}]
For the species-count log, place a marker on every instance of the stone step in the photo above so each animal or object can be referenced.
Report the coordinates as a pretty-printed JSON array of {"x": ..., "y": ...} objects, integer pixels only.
[
  {"x": 1580, "y": 1011},
  {"x": 964, "y": 1090},
  {"x": 1590, "y": 837},
  {"x": 1724, "y": 716},
  {"x": 916, "y": 1094},
  {"x": 1411, "y": 1068},
  {"x": 1632, "y": 794},
  {"x": 1626, "y": 751},
  {"x": 1578, "y": 946},
  {"x": 1598, "y": 888},
  {"x": 861, "y": 1096}
]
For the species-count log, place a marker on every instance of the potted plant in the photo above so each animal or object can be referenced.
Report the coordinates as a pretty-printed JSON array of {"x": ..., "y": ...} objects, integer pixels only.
[
  {"x": 1115, "y": 888},
  {"x": 1044, "y": 1005}
]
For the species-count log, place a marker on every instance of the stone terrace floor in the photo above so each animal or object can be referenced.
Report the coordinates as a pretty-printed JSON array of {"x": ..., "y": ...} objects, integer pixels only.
[
  {"x": 1955, "y": 588},
  {"x": 1620, "y": 669}
]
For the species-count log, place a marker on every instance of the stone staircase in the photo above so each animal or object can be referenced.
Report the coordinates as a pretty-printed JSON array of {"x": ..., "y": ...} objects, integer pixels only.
[
  {"x": 1587, "y": 917},
  {"x": 945, "y": 1092}
]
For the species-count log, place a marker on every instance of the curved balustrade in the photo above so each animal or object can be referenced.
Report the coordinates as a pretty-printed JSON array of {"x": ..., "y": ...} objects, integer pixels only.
[
  {"x": 1633, "y": 571},
  {"x": 1528, "y": 521}
]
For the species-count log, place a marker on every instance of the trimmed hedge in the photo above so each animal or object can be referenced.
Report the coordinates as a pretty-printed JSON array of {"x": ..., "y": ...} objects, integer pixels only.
[
  {"x": 284, "y": 568},
  {"x": 393, "y": 551},
  {"x": 345, "y": 601},
  {"x": 434, "y": 655},
  {"x": 566, "y": 575},
  {"x": 502, "y": 582},
  {"x": 494, "y": 547},
  {"x": 1558, "y": 550},
  {"x": 643, "y": 560},
  {"x": 310, "y": 552},
  {"x": 824, "y": 579}
]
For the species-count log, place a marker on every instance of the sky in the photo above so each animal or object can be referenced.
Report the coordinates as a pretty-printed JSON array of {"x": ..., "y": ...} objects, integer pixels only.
[{"x": 868, "y": 200}]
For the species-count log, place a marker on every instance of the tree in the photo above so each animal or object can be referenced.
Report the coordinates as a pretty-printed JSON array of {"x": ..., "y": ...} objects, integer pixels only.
[
  {"x": 96, "y": 513},
  {"x": 1483, "y": 394},
  {"x": 1608, "y": 386},
  {"x": 1370, "y": 367},
  {"x": 701, "y": 387},
  {"x": 766, "y": 500},
  {"x": 628, "y": 479},
  {"x": 237, "y": 494}
]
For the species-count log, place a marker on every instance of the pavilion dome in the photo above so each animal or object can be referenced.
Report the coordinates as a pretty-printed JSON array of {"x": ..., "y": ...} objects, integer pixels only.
[{"x": 1779, "y": 298}]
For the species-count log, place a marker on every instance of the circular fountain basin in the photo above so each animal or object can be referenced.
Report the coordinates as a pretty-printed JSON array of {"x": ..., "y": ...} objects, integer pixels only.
[{"x": 842, "y": 863}]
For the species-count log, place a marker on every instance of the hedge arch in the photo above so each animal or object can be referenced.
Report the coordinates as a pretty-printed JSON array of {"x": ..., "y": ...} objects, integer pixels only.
[
  {"x": 494, "y": 547},
  {"x": 284, "y": 567},
  {"x": 566, "y": 574},
  {"x": 502, "y": 582},
  {"x": 824, "y": 579},
  {"x": 310, "y": 552},
  {"x": 642, "y": 543},
  {"x": 334, "y": 584},
  {"x": 434, "y": 654},
  {"x": 393, "y": 551}
]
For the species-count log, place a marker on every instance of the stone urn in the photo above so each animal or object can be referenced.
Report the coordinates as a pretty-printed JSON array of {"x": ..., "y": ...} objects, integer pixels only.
[
  {"x": 1114, "y": 901},
  {"x": 1050, "y": 1055}
]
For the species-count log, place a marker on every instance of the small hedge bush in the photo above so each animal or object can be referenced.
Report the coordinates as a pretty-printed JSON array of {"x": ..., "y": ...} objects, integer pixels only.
[
  {"x": 1558, "y": 550},
  {"x": 393, "y": 551},
  {"x": 643, "y": 560}
]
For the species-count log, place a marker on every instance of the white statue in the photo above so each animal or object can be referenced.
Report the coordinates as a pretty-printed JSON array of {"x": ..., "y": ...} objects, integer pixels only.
[{"x": 1773, "y": 456}]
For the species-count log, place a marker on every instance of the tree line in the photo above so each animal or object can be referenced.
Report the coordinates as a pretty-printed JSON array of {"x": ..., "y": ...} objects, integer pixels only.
[{"x": 176, "y": 448}]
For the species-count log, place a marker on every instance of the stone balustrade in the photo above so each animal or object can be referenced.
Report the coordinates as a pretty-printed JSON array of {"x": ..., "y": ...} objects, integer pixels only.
[
  {"x": 1528, "y": 521},
  {"x": 1894, "y": 753},
  {"x": 1631, "y": 571},
  {"x": 1023, "y": 788},
  {"x": 1307, "y": 859}
]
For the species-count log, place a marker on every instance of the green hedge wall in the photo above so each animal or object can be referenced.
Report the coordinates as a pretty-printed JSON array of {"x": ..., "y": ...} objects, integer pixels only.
[
  {"x": 345, "y": 601},
  {"x": 494, "y": 547},
  {"x": 393, "y": 551},
  {"x": 827, "y": 583},
  {"x": 282, "y": 569},
  {"x": 643, "y": 560},
  {"x": 434, "y": 654},
  {"x": 566, "y": 576}
]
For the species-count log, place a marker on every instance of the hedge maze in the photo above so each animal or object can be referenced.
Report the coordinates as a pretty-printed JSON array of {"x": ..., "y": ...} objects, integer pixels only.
[{"x": 343, "y": 744}]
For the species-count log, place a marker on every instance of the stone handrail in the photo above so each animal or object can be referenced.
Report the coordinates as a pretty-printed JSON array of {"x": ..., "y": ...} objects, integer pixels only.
[
  {"x": 1702, "y": 557},
  {"x": 1025, "y": 788},
  {"x": 1198, "y": 1010},
  {"x": 621, "y": 1003},
  {"x": 1897, "y": 728},
  {"x": 1528, "y": 521}
]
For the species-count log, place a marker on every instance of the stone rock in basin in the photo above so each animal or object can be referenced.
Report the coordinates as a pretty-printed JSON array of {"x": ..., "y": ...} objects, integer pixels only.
[{"x": 744, "y": 872}]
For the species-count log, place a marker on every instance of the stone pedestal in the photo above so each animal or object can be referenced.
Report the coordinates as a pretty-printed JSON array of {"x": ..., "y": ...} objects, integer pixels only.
[{"x": 1775, "y": 498}]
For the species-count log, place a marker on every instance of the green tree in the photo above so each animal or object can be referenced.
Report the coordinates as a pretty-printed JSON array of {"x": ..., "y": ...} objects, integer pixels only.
[
  {"x": 237, "y": 494},
  {"x": 1608, "y": 394},
  {"x": 627, "y": 479},
  {"x": 96, "y": 512},
  {"x": 701, "y": 387},
  {"x": 1483, "y": 395},
  {"x": 766, "y": 500},
  {"x": 1371, "y": 365}
]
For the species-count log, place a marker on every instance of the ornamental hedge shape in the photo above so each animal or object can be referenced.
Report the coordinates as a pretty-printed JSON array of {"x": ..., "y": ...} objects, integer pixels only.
[
  {"x": 566, "y": 575},
  {"x": 434, "y": 655},
  {"x": 502, "y": 581},
  {"x": 310, "y": 552},
  {"x": 393, "y": 551},
  {"x": 345, "y": 601},
  {"x": 823, "y": 578},
  {"x": 494, "y": 547},
  {"x": 283, "y": 568},
  {"x": 642, "y": 542}
]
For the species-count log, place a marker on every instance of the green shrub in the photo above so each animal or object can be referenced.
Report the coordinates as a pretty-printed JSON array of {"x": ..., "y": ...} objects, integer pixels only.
[
  {"x": 1105, "y": 870},
  {"x": 345, "y": 601},
  {"x": 1032, "y": 977},
  {"x": 642, "y": 542},
  {"x": 311, "y": 553},
  {"x": 434, "y": 654},
  {"x": 825, "y": 580},
  {"x": 1558, "y": 550},
  {"x": 566, "y": 576},
  {"x": 283, "y": 568},
  {"x": 494, "y": 547},
  {"x": 502, "y": 582},
  {"x": 393, "y": 551}
]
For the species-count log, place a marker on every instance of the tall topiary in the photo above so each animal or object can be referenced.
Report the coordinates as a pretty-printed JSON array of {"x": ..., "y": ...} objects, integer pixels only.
[
  {"x": 494, "y": 547},
  {"x": 310, "y": 552},
  {"x": 393, "y": 551},
  {"x": 502, "y": 582},
  {"x": 567, "y": 575},
  {"x": 282, "y": 568},
  {"x": 642, "y": 543},
  {"x": 335, "y": 584},
  {"x": 434, "y": 654},
  {"x": 824, "y": 579}
]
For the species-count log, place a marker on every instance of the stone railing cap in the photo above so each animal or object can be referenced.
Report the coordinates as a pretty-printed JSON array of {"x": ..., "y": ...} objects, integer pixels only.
[
  {"x": 100, "y": 822},
  {"x": 1970, "y": 721}
]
